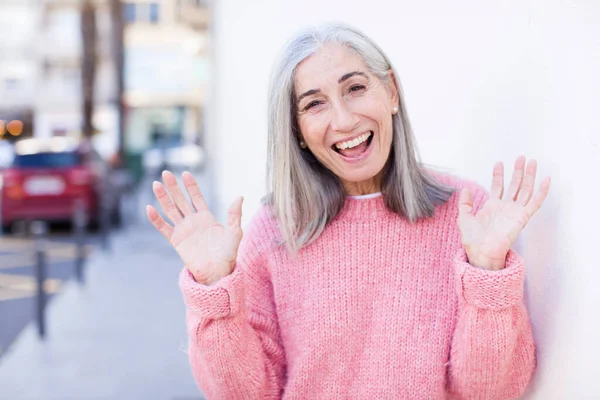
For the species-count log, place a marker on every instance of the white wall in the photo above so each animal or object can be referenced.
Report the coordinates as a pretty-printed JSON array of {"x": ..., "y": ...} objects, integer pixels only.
[
  {"x": 483, "y": 82},
  {"x": 18, "y": 68}
]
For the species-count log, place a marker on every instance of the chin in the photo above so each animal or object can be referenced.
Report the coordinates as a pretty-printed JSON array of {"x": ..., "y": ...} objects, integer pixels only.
[{"x": 363, "y": 175}]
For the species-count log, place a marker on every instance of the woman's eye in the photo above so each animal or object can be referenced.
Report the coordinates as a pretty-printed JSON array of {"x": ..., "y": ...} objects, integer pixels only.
[
  {"x": 357, "y": 88},
  {"x": 312, "y": 104}
]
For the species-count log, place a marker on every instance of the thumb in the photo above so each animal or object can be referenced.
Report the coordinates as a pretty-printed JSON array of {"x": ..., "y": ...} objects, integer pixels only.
[
  {"x": 465, "y": 202},
  {"x": 234, "y": 214}
]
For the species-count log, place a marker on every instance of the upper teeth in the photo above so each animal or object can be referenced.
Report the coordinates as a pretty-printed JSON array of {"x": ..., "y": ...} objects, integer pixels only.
[{"x": 353, "y": 143}]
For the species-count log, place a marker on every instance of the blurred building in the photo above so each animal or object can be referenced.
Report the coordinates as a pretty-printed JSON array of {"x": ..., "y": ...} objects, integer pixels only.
[
  {"x": 58, "y": 104},
  {"x": 166, "y": 71},
  {"x": 19, "y": 67}
]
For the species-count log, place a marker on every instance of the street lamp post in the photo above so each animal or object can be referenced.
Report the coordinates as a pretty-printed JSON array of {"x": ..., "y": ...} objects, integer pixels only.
[{"x": 38, "y": 229}]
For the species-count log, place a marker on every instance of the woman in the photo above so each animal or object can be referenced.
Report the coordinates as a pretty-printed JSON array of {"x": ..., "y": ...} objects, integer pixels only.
[{"x": 364, "y": 275}]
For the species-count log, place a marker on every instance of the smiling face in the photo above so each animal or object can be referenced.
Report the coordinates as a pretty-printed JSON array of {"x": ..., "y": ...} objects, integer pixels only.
[{"x": 345, "y": 116}]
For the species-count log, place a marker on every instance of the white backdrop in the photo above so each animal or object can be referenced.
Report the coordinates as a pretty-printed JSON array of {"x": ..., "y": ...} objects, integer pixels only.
[{"x": 483, "y": 81}]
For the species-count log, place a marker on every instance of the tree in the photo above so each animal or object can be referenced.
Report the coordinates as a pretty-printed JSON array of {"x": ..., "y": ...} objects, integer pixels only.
[
  {"x": 119, "y": 60},
  {"x": 88, "y": 67}
]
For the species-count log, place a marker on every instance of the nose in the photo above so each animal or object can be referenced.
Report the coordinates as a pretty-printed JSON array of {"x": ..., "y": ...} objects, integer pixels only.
[{"x": 342, "y": 118}]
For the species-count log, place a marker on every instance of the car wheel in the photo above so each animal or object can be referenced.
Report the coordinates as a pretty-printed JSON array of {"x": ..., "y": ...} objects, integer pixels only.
[{"x": 93, "y": 225}]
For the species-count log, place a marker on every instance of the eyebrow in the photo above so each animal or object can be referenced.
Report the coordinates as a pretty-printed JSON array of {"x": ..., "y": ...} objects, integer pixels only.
[
  {"x": 351, "y": 74},
  {"x": 344, "y": 77}
]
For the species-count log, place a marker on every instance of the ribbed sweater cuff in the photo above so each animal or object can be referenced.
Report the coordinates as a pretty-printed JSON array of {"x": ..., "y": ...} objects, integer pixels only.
[
  {"x": 493, "y": 290},
  {"x": 223, "y": 299}
]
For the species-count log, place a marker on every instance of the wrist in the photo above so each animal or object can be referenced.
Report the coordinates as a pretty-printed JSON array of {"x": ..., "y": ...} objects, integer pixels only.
[
  {"x": 488, "y": 264},
  {"x": 216, "y": 272}
]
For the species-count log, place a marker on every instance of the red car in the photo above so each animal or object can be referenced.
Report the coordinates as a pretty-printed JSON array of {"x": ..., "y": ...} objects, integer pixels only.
[{"x": 49, "y": 178}]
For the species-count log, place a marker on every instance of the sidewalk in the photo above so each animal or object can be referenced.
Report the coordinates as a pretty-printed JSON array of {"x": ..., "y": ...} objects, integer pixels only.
[{"x": 120, "y": 336}]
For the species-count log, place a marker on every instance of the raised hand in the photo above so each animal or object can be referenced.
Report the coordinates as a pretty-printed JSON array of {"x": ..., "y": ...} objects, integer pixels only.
[
  {"x": 207, "y": 248},
  {"x": 488, "y": 236}
]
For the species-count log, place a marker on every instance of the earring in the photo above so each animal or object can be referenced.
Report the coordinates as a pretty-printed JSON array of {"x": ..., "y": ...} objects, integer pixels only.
[
  {"x": 303, "y": 144},
  {"x": 394, "y": 110}
]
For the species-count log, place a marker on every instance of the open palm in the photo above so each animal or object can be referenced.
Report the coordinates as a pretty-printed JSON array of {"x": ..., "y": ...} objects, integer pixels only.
[
  {"x": 488, "y": 235},
  {"x": 207, "y": 248}
]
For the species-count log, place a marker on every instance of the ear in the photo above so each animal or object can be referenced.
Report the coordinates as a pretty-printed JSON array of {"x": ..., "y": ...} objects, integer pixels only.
[{"x": 393, "y": 87}]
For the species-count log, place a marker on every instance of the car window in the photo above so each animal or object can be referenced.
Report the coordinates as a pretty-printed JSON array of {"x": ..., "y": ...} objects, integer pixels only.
[{"x": 46, "y": 160}]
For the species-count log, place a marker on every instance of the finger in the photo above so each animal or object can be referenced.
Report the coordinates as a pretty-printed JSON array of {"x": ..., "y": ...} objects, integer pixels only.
[
  {"x": 176, "y": 194},
  {"x": 234, "y": 214},
  {"x": 167, "y": 205},
  {"x": 535, "y": 203},
  {"x": 159, "y": 223},
  {"x": 528, "y": 183},
  {"x": 497, "y": 181},
  {"x": 515, "y": 183},
  {"x": 194, "y": 191},
  {"x": 465, "y": 202}
]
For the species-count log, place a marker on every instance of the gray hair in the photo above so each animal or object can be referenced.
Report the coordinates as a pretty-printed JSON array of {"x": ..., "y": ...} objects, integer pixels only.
[{"x": 303, "y": 193}]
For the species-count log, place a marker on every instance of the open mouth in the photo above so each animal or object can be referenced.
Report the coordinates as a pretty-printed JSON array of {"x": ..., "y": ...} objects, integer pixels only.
[{"x": 356, "y": 147}]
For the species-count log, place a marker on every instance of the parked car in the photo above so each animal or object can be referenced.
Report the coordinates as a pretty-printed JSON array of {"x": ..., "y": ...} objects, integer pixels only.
[{"x": 49, "y": 178}]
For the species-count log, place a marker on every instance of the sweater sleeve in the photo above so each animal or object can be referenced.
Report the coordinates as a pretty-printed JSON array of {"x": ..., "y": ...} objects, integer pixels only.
[
  {"x": 493, "y": 350},
  {"x": 235, "y": 349}
]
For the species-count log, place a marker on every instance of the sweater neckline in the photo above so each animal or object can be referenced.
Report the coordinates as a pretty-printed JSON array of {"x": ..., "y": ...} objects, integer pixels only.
[
  {"x": 366, "y": 196},
  {"x": 364, "y": 208}
]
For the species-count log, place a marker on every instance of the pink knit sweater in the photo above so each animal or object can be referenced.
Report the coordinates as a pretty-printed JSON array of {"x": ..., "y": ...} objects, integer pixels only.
[{"x": 375, "y": 308}]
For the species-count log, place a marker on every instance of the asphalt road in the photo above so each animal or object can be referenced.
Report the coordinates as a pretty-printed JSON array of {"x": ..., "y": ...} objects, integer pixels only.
[{"x": 17, "y": 275}]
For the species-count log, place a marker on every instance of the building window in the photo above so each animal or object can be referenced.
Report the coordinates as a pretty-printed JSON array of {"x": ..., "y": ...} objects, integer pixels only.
[
  {"x": 129, "y": 12},
  {"x": 141, "y": 12},
  {"x": 11, "y": 84},
  {"x": 154, "y": 12}
]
